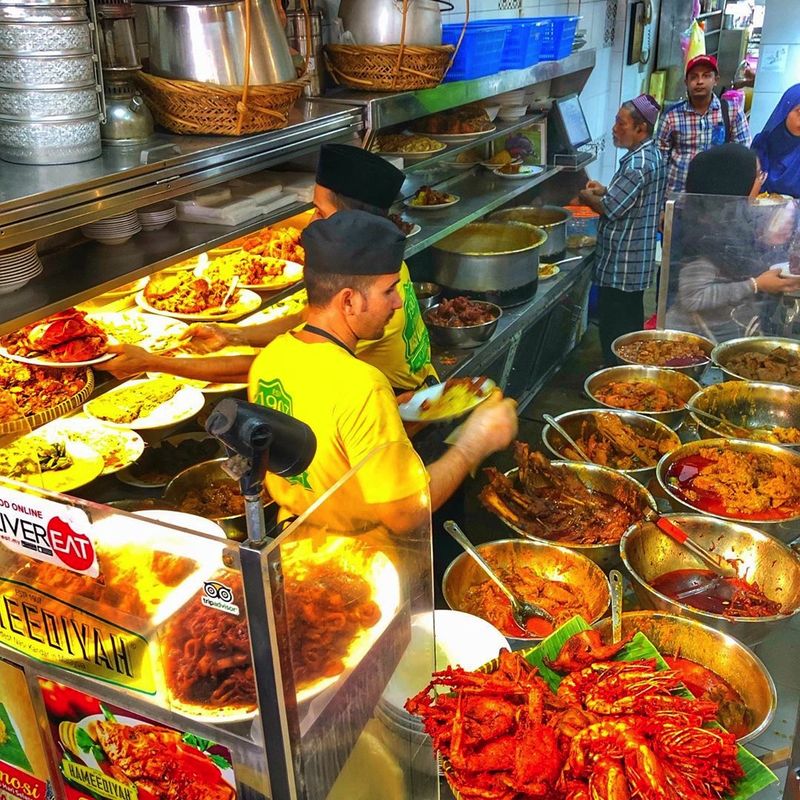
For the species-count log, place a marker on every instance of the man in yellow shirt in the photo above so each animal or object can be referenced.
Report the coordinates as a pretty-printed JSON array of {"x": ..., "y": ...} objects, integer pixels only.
[
  {"x": 347, "y": 178},
  {"x": 353, "y": 264}
]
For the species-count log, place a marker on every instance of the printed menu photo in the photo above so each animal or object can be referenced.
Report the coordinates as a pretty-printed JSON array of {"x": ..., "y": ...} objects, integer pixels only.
[{"x": 106, "y": 751}]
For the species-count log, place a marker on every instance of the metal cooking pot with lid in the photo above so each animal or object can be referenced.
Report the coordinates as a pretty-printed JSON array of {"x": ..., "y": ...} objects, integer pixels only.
[
  {"x": 381, "y": 21},
  {"x": 552, "y": 219},
  {"x": 494, "y": 261},
  {"x": 205, "y": 41}
]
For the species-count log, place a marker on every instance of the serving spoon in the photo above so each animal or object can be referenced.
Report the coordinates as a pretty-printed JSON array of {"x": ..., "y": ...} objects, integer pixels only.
[
  {"x": 570, "y": 441},
  {"x": 718, "y": 420},
  {"x": 521, "y": 610},
  {"x": 223, "y": 306}
]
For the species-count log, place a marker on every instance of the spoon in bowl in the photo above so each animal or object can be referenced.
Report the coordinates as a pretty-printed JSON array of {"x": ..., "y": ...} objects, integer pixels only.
[
  {"x": 521, "y": 610},
  {"x": 569, "y": 440}
]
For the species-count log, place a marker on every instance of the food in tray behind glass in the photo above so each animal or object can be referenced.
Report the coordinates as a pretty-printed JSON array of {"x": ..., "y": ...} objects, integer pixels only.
[
  {"x": 428, "y": 196},
  {"x": 638, "y": 396},
  {"x": 180, "y": 294},
  {"x": 26, "y": 390},
  {"x": 779, "y": 365},
  {"x": 275, "y": 243},
  {"x": 461, "y": 312},
  {"x": 65, "y": 337},
  {"x": 663, "y": 352},
  {"x": 467, "y": 119},
  {"x": 137, "y": 401}
]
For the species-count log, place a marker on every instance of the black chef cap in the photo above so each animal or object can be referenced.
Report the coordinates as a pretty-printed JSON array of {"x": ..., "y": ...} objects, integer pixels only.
[
  {"x": 353, "y": 243},
  {"x": 729, "y": 169},
  {"x": 358, "y": 174}
]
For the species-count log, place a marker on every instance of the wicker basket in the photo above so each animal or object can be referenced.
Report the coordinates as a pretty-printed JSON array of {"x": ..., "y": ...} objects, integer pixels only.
[
  {"x": 206, "y": 108},
  {"x": 388, "y": 68}
]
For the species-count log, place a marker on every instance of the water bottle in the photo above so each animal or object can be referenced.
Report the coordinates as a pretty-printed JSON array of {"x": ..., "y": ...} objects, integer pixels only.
[{"x": 718, "y": 134}]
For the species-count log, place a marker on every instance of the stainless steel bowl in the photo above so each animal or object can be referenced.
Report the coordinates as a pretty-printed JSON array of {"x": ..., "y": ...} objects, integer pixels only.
[
  {"x": 466, "y": 336},
  {"x": 551, "y": 219},
  {"x": 647, "y": 553},
  {"x": 573, "y": 421},
  {"x": 747, "y": 405},
  {"x": 543, "y": 559},
  {"x": 785, "y": 530},
  {"x": 693, "y": 370},
  {"x": 63, "y": 38},
  {"x": 199, "y": 476},
  {"x": 46, "y": 72},
  {"x": 51, "y": 141},
  {"x": 600, "y": 479},
  {"x": 734, "y": 662},
  {"x": 677, "y": 383},
  {"x": 427, "y": 294},
  {"x": 722, "y": 353}
]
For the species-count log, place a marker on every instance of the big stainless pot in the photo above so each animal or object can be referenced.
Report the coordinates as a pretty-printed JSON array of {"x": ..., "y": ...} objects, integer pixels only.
[
  {"x": 381, "y": 21},
  {"x": 552, "y": 219},
  {"x": 494, "y": 261},
  {"x": 205, "y": 41}
]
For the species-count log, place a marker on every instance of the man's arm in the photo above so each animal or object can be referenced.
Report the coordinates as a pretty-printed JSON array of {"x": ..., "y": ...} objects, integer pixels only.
[
  {"x": 663, "y": 134},
  {"x": 209, "y": 337},
  {"x": 132, "y": 360},
  {"x": 741, "y": 128}
]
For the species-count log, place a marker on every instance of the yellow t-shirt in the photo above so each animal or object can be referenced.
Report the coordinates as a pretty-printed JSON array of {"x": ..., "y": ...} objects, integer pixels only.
[
  {"x": 351, "y": 408},
  {"x": 403, "y": 354}
]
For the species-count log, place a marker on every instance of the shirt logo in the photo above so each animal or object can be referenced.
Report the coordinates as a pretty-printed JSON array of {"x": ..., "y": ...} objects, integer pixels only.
[{"x": 415, "y": 334}]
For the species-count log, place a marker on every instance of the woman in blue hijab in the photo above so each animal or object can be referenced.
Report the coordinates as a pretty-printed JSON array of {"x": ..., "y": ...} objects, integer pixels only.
[{"x": 778, "y": 146}]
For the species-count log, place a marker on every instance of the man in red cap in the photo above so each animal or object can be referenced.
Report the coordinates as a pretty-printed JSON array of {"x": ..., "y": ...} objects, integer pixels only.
[{"x": 697, "y": 123}]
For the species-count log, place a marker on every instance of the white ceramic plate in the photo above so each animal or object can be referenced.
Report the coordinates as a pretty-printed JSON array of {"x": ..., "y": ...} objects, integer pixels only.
[
  {"x": 414, "y": 156},
  {"x": 46, "y": 362},
  {"x": 292, "y": 273},
  {"x": 414, "y": 231},
  {"x": 182, "y": 406},
  {"x": 551, "y": 273},
  {"x": 86, "y": 466},
  {"x": 118, "y": 447},
  {"x": 783, "y": 266},
  {"x": 454, "y": 199},
  {"x": 525, "y": 171},
  {"x": 492, "y": 165},
  {"x": 248, "y": 302},
  {"x": 460, "y": 165},
  {"x": 411, "y": 410},
  {"x": 148, "y": 331},
  {"x": 459, "y": 137}
]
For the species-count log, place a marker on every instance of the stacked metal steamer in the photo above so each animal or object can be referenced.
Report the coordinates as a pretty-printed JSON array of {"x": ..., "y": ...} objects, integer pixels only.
[{"x": 49, "y": 112}]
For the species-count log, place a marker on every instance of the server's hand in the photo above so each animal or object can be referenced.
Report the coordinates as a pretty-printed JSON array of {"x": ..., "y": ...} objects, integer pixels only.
[
  {"x": 492, "y": 426},
  {"x": 129, "y": 360},
  {"x": 208, "y": 337}
]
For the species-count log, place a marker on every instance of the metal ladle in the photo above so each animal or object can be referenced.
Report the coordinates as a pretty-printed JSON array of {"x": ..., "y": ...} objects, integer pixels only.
[
  {"x": 521, "y": 610},
  {"x": 555, "y": 425}
]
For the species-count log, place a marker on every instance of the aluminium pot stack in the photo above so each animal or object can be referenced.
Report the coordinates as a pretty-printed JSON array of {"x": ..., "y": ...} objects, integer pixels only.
[{"x": 49, "y": 111}]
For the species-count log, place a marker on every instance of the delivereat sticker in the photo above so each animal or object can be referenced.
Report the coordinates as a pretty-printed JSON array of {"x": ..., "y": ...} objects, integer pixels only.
[{"x": 47, "y": 531}]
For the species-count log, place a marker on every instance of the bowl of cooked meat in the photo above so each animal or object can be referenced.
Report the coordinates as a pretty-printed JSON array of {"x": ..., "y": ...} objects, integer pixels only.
[
  {"x": 759, "y": 358},
  {"x": 462, "y": 322},
  {"x": 685, "y": 352},
  {"x": 207, "y": 490},
  {"x": 764, "y": 594},
  {"x": 657, "y": 392},
  {"x": 763, "y": 412},
  {"x": 558, "y": 579},
  {"x": 621, "y": 440},
  {"x": 754, "y": 483},
  {"x": 427, "y": 294},
  {"x": 713, "y": 666},
  {"x": 584, "y": 507}
]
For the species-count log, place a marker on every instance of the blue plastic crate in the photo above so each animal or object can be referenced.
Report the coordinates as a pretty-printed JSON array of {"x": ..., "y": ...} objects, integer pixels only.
[
  {"x": 523, "y": 43},
  {"x": 481, "y": 50},
  {"x": 558, "y": 36}
]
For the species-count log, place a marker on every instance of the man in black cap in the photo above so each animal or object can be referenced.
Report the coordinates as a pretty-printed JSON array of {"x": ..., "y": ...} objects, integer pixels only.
[
  {"x": 347, "y": 178},
  {"x": 352, "y": 275}
]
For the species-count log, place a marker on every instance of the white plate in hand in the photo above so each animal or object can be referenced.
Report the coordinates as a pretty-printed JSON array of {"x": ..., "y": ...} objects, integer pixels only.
[{"x": 412, "y": 410}]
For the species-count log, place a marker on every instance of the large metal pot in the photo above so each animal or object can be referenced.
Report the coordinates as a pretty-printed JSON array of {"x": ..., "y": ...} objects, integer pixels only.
[
  {"x": 205, "y": 41},
  {"x": 552, "y": 219},
  {"x": 494, "y": 261},
  {"x": 381, "y": 21}
]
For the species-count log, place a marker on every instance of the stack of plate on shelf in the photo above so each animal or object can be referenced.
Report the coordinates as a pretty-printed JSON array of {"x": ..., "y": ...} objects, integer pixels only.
[
  {"x": 158, "y": 216},
  {"x": 512, "y": 105},
  {"x": 18, "y": 266},
  {"x": 113, "y": 230}
]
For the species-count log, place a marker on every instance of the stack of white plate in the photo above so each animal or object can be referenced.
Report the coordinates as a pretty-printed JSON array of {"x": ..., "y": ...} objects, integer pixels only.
[
  {"x": 158, "y": 216},
  {"x": 17, "y": 267},
  {"x": 461, "y": 640},
  {"x": 113, "y": 230}
]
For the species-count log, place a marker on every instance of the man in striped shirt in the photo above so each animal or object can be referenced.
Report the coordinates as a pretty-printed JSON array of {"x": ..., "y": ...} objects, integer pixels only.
[
  {"x": 697, "y": 123},
  {"x": 629, "y": 211}
]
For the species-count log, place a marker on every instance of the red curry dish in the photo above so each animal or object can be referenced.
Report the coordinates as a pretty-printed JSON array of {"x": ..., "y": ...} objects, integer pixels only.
[{"x": 461, "y": 312}]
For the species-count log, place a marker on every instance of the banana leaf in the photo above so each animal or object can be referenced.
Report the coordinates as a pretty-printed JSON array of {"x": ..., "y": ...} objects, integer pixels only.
[{"x": 756, "y": 775}]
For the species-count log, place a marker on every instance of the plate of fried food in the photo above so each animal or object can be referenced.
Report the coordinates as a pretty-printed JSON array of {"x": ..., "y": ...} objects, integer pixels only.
[
  {"x": 191, "y": 298},
  {"x": 456, "y": 125},
  {"x": 148, "y": 331},
  {"x": 548, "y": 271},
  {"x": 117, "y": 447},
  {"x": 64, "y": 339},
  {"x": 446, "y": 401},
  {"x": 288, "y": 307},
  {"x": 276, "y": 243},
  {"x": 408, "y": 228},
  {"x": 408, "y": 145},
  {"x": 517, "y": 171},
  {"x": 145, "y": 404},
  {"x": 51, "y": 462},
  {"x": 261, "y": 273},
  {"x": 430, "y": 199}
]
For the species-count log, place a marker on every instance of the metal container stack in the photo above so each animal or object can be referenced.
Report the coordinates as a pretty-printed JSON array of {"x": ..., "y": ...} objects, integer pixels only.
[{"x": 49, "y": 112}]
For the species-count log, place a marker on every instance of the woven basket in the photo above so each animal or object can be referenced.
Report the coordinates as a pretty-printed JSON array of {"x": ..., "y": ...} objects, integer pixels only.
[
  {"x": 205, "y": 108},
  {"x": 388, "y": 68}
]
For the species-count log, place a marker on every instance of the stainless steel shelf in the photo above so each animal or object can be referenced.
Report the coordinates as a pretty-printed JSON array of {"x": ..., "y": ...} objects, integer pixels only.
[
  {"x": 89, "y": 269},
  {"x": 39, "y": 201},
  {"x": 383, "y": 110}
]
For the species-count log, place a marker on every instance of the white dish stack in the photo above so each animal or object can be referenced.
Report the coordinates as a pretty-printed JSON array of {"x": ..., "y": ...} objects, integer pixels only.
[
  {"x": 18, "y": 266},
  {"x": 49, "y": 111},
  {"x": 157, "y": 216},
  {"x": 113, "y": 230}
]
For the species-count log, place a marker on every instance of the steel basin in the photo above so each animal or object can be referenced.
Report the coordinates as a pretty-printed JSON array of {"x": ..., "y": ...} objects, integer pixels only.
[
  {"x": 552, "y": 219},
  {"x": 722, "y": 353},
  {"x": 734, "y": 662},
  {"x": 647, "y": 553},
  {"x": 494, "y": 261},
  {"x": 692, "y": 370}
]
